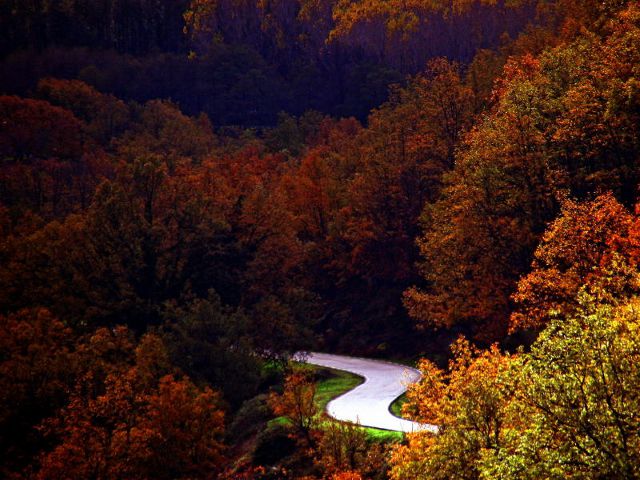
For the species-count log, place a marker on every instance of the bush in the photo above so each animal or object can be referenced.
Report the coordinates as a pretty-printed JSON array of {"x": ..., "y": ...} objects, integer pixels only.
[
  {"x": 273, "y": 445},
  {"x": 250, "y": 419}
]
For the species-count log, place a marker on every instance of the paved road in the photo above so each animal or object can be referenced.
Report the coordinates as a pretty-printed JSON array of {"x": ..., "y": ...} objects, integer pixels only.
[{"x": 368, "y": 404}]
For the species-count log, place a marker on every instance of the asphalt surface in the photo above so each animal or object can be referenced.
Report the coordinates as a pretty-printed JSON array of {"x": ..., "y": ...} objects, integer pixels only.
[{"x": 368, "y": 404}]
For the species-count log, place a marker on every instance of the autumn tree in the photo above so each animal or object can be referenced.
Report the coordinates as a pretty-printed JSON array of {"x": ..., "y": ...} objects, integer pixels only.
[
  {"x": 401, "y": 32},
  {"x": 571, "y": 252},
  {"x": 173, "y": 432},
  {"x": 45, "y": 169},
  {"x": 404, "y": 152},
  {"x": 391, "y": 169},
  {"x": 347, "y": 476},
  {"x": 343, "y": 448},
  {"x": 513, "y": 171},
  {"x": 105, "y": 116},
  {"x": 38, "y": 365},
  {"x": 277, "y": 293},
  {"x": 479, "y": 236},
  {"x": 160, "y": 129},
  {"x": 145, "y": 230},
  {"x": 470, "y": 405},
  {"x": 214, "y": 344},
  {"x": 138, "y": 422},
  {"x": 297, "y": 403},
  {"x": 595, "y": 136},
  {"x": 567, "y": 408},
  {"x": 38, "y": 130},
  {"x": 579, "y": 396},
  {"x": 46, "y": 278}
]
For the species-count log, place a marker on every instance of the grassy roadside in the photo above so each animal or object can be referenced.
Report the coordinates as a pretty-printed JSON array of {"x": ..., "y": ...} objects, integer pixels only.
[
  {"x": 396, "y": 406},
  {"x": 335, "y": 384},
  {"x": 331, "y": 384}
]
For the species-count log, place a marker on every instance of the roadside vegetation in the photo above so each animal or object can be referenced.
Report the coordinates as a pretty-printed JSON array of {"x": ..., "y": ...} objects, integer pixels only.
[
  {"x": 330, "y": 384},
  {"x": 190, "y": 194}
]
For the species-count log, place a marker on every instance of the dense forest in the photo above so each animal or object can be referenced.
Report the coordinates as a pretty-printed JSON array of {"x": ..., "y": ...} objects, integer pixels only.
[{"x": 192, "y": 191}]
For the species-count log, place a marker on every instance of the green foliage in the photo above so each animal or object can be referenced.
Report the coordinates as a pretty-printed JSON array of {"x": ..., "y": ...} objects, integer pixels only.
[
  {"x": 566, "y": 409},
  {"x": 333, "y": 383},
  {"x": 286, "y": 136},
  {"x": 580, "y": 394},
  {"x": 213, "y": 344},
  {"x": 396, "y": 406},
  {"x": 383, "y": 436},
  {"x": 469, "y": 403}
]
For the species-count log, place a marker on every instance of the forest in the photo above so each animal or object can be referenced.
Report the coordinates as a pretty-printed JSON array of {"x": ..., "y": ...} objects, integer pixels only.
[{"x": 191, "y": 191}]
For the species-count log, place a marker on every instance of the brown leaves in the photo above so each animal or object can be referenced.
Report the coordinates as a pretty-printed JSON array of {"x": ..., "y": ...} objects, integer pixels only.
[
  {"x": 36, "y": 129},
  {"x": 37, "y": 366}
]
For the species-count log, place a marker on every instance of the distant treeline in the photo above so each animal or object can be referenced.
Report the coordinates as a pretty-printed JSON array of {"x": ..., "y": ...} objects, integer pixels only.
[{"x": 239, "y": 62}]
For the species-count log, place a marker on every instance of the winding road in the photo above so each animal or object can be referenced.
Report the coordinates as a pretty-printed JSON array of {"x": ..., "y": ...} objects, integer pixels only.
[{"x": 368, "y": 404}]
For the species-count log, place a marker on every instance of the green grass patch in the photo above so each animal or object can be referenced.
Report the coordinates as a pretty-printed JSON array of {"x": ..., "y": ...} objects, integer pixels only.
[
  {"x": 383, "y": 436},
  {"x": 331, "y": 384},
  {"x": 336, "y": 383},
  {"x": 396, "y": 406},
  {"x": 278, "y": 421}
]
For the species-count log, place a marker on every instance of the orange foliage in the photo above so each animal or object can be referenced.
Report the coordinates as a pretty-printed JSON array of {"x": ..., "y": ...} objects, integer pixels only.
[
  {"x": 560, "y": 125},
  {"x": 104, "y": 115},
  {"x": 347, "y": 476},
  {"x": 45, "y": 165},
  {"x": 297, "y": 403},
  {"x": 572, "y": 251},
  {"x": 36, "y": 129},
  {"x": 469, "y": 403},
  {"x": 135, "y": 424}
]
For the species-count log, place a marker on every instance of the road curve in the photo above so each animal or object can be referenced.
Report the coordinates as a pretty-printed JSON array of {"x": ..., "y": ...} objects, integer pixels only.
[{"x": 368, "y": 404}]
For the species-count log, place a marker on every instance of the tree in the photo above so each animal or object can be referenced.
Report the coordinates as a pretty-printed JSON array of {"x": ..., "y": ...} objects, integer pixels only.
[
  {"x": 478, "y": 237},
  {"x": 549, "y": 134},
  {"x": 404, "y": 152},
  {"x": 571, "y": 252},
  {"x": 45, "y": 169},
  {"x": 140, "y": 243},
  {"x": 566, "y": 409},
  {"x": 137, "y": 422},
  {"x": 297, "y": 403},
  {"x": 469, "y": 403},
  {"x": 399, "y": 32},
  {"x": 185, "y": 427},
  {"x": 392, "y": 168},
  {"x": 104, "y": 115},
  {"x": 347, "y": 476},
  {"x": 38, "y": 130},
  {"x": 163, "y": 131},
  {"x": 214, "y": 344},
  {"x": 579, "y": 395},
  {"x": 343, "y": 448},
  {"x": 399, "y": 20},
  {"x": 38, "y": 364}
]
